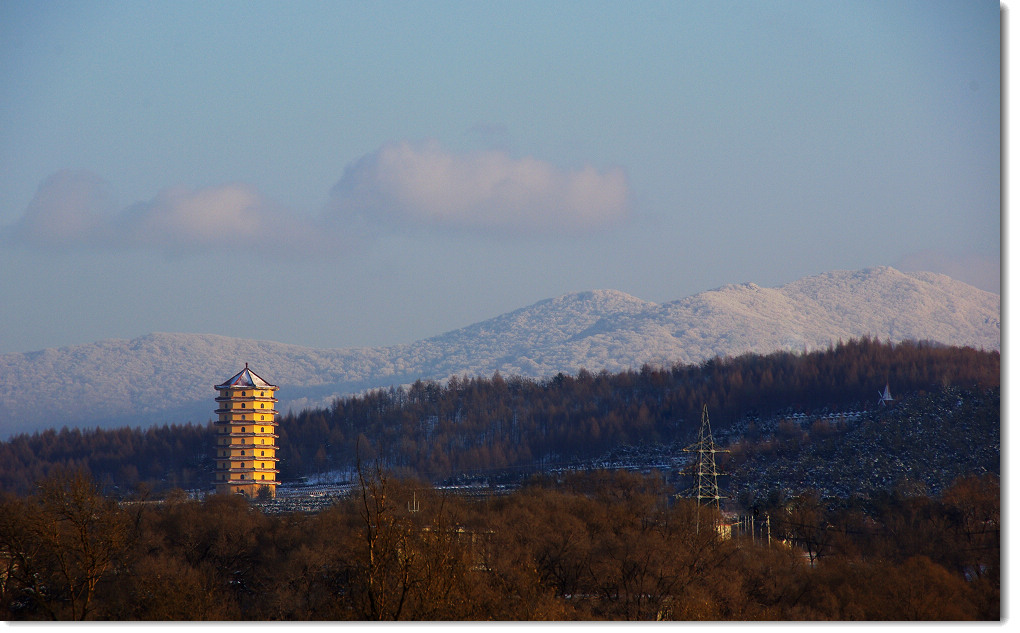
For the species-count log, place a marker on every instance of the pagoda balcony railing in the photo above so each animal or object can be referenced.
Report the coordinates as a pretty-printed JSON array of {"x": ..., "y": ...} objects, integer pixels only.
[
  {"x": 246, "y": 399},
  {"x": 246, "y": 447},
  {"x": 247, "y": 424},
  {"x": 246, "y": 435},
  {"x": 251, "y": 470}
]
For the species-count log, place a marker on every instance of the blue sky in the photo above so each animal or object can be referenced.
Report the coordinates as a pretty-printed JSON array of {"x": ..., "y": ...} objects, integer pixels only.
[{"x": 340, "y": 174}]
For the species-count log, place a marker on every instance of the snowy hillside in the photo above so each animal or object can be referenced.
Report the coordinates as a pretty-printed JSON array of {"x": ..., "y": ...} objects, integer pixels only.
[{"x": 168, "y": 378}]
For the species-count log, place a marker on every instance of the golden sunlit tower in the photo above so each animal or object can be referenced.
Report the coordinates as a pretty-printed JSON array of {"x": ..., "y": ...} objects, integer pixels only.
[{"x": 246, "y": 435}]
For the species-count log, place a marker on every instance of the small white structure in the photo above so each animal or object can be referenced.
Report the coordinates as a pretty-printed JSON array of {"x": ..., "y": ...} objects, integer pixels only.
[{"x": 884, "y": 397}]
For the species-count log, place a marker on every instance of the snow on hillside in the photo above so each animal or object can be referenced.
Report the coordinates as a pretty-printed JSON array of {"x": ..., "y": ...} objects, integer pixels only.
[{"x": 168, "y": 378}]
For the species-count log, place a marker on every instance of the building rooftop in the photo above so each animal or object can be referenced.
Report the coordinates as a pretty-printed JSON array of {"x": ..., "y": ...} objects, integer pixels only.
[{"x": 246, "y": 378}]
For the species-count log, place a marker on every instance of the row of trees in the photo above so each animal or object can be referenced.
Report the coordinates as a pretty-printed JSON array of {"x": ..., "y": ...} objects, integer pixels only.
[
  {"x": 480, "y": 424},
  {"x": 607, "y": 546},
  {"x": 160, "y": 457},
  {"x": 469, "y": 425}
]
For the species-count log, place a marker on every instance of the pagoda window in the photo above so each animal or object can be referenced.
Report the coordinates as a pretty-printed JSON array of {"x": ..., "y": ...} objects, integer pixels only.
[
  {"x": 262, "y": 417},
  {"x": 263, "y": 452},
  {"x": 242, "y": 476},
  {"x": 262, "y": 405},
  {"x": 242, "y": 429},
  {"x": 242, "y": 452},
  {"x": 263, "y": 476},
  {"x": 243, "y": 405},
  {"x": 242, "y": 394}
]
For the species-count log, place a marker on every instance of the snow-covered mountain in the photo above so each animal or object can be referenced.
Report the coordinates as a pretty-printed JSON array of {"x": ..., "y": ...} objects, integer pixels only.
[{"x": 168, "y": 378}]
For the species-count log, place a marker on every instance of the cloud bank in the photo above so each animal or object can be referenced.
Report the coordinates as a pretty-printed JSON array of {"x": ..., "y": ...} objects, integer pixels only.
[
  {"x": 76, "y": 209},
  {"x": 69, "y": 208},
  {"x": 400, "y": 185},
  {"x": 233, "y": 216},
  {"x": 489, "y": 191}
]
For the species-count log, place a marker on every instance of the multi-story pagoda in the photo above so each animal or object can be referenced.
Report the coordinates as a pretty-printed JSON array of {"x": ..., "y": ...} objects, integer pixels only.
[{"x": 246, "y": 435}]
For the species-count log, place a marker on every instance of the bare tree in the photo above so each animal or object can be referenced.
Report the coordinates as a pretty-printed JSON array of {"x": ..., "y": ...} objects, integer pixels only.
[{"x": 60, "y": 544}]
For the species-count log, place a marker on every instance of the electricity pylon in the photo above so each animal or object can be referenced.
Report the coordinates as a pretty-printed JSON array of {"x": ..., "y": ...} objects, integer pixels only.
[{"x": 706, "y": 475}]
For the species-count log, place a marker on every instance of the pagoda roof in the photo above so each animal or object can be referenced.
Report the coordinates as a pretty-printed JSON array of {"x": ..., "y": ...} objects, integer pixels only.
[{"x": 246, "y": 378}]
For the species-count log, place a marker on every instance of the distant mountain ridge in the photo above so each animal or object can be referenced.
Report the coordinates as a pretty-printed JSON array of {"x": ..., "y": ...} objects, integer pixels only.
[{"x": 167, "y": 378}]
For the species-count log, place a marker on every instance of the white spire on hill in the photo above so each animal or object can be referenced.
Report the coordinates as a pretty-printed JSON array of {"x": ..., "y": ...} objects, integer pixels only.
[{"x": 884, "y": 397}]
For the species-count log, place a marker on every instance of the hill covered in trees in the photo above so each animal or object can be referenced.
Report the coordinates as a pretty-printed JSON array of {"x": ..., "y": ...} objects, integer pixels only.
[
  {"x": 852, "y": 510},
  {"x": 492, "y": 426}
]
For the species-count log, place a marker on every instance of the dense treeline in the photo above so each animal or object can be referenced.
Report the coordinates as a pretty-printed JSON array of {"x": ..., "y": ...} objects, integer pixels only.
[
  {"x": 469, "y": 425},
  {"x": 160, "y": 457},
  {"x": 600, "y": 546},
  {"x": 486, "y": 424}
]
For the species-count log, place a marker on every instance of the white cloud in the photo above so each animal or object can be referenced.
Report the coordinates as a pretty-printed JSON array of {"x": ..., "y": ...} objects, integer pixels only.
[
  {"x": 69, "y": 209},
  {"x": 425, "y": 185},
  {"x": 401, "y": 184},
  {"x": 225, "y": 216},
  {"x": 205, "y": 216},
  {"x": 75, "y": 209}
]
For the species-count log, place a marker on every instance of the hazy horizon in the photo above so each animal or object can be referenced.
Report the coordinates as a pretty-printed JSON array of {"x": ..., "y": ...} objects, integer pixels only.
[{"x": 539, "y": 302}]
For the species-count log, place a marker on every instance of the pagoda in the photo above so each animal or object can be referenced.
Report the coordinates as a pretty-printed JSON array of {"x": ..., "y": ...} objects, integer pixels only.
[{"x": 246, "y": 435}]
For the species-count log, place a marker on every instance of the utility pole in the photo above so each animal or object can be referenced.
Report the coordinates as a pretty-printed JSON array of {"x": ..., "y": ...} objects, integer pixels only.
[{"x": 706, "y": 475}]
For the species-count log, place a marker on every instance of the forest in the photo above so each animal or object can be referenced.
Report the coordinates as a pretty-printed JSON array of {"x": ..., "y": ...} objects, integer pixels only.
[
  {"x": 117, "y": 525},
  {"x": 585, "y": 546},
  {"x": 488, "y": 425}
]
